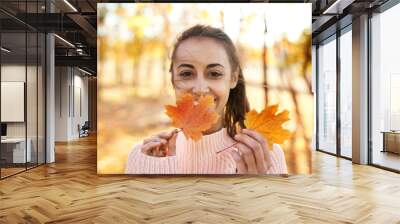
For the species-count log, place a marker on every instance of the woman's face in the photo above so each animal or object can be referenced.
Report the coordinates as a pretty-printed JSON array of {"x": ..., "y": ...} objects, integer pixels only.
[{"x": 201, "y": 67}]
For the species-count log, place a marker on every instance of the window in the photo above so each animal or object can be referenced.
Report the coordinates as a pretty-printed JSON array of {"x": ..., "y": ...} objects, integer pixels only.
[
  {"x": 385, "y": 89},
  {"x": 23, "y": 77},
  {"x": 327, "y": 96},
  {"x": 346, "y": 92}
]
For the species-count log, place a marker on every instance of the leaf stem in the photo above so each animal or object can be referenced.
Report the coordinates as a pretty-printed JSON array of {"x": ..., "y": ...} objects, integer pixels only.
[
  {"x": 179, "y": 130},
  {"x": 227, "y": 147}
]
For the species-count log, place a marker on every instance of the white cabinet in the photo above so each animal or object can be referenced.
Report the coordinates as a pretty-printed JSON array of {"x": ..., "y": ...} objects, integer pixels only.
[
  {"x": 12, "y": 101},
  {"x": 18, "y": 149}
]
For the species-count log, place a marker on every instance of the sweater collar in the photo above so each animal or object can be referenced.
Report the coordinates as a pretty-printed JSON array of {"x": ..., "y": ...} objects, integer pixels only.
[{"x": 215, "y": 142}]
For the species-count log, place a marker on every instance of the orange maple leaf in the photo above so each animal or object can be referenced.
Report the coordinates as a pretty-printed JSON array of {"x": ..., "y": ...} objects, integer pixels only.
[
  {"x": 269, "y": 124},
  {"x": 193, "y": 118}
]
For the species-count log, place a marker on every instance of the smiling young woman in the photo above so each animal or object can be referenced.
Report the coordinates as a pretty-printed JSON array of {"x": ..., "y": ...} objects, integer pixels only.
[{"x": 205, "y": 62}]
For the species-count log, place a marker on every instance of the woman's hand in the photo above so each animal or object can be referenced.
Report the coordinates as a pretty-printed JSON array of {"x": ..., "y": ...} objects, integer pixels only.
[
  {"x": 160, "y": 145},
  {"x": 253, "y": 155}
]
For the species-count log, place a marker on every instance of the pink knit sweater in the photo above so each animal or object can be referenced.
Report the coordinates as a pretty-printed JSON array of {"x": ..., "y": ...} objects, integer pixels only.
[{"x": 197, "y": 158}]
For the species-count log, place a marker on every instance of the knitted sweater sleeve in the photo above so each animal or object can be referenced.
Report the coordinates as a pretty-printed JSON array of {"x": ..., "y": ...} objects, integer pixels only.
[
  {"x": 278, "y": 161},
  {"x": 139, "y": 163}
]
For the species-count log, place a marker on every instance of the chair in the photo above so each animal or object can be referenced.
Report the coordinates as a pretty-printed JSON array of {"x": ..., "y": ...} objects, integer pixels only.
[{"x": 84, "y": 130}]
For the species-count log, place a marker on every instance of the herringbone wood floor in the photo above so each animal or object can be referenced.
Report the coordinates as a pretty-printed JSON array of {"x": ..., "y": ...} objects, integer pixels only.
[{"x": 70, "y": 191}]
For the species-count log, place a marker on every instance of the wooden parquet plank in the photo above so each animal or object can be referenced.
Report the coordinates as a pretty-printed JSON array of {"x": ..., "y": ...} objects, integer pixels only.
[{"x": 70, "y": 191}]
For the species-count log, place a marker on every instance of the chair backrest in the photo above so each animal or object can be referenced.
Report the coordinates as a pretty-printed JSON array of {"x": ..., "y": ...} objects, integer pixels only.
[{"x": 86, "y": 125}]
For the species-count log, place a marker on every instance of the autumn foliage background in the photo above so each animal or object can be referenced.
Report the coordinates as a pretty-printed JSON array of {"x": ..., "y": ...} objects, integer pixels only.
[{"x": 134, "y": 44}]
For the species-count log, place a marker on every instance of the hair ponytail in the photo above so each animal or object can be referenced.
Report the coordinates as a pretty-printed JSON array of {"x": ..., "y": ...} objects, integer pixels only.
[{"x": 236, "y": 107}]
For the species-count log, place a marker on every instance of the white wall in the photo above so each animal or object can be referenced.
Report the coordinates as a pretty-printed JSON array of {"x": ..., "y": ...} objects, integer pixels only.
[
  {"x": 12, "y": 73},
  {"x": 62, "y": 80},
  {"x": 71, "y": 87},
  {"x": 33, "y": 127},
  {"x": 81, "y": 94},
  {"x": 12, "y": 100}
]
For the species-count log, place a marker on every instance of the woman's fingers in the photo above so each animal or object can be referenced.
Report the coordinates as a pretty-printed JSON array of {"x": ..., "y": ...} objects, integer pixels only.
[
  {"x": 172, "y": 145},
  {"x": 162, "y": 137},
  {"x": 154, "y": 139},
  {"x": 248, "y": 156},
  {"x": 240, "y": 163},
  {"x": 148, "y": 148},
  {"x": 167, "y": 134},
  {"x": 156, "y": 145},
  {"x": 159, "y": 152},
  {"x": 264, "y": 144},
  {"x": 254, "y": 152}
]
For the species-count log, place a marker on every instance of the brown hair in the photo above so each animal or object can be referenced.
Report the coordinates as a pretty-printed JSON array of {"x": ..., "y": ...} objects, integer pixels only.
[{"x": 237, "y": 104}]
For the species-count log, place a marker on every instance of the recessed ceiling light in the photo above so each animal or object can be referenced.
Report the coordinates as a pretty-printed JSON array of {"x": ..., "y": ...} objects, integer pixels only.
[
  {"x": 84, "y": 71},
  {"x": 70, "y": 5},
  {"x": 5, "y": 50},
  {"x": 338, "y": 6},
  {"x": 64, "y": 40}
]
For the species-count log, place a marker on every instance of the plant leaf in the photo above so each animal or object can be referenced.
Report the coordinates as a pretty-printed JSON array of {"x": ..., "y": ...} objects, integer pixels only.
[
  {"x": 269, "y": 124},
  {"x": 193, "y": 118}
]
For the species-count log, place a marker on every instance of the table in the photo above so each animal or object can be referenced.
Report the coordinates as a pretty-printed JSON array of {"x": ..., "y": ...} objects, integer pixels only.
[
  {"x": 17, "y": 150},
  {"x": 391, "y": 141}
]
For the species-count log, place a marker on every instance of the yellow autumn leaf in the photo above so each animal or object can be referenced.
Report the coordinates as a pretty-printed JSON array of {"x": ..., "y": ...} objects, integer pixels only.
[
  {"x": 191, "y": 118},
  {"x": 269, "y": 124}
]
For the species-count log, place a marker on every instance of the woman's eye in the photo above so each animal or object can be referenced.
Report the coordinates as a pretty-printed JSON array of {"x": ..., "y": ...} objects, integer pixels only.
[
  {"x": 215, "y": 74},
  {"x": 185, "y": 74}
]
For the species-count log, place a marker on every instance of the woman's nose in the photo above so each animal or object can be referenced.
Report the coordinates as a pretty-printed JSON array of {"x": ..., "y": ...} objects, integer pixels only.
[{"x": 200, "y": 87}]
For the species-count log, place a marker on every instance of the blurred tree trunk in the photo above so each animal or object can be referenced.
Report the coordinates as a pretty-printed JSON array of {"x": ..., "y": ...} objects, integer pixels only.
[
  {"x": 284, "y": 81},
  {"x": 299, "y": 119},
  {"x": 239, "y": 47},
  {"x": 307, "y": 80},
  {"x": 165, "y": 45},
  {"x": 306, "y": 50},
  {"x": 136, "y": 64},
  {"x": 103, "y": 47},
  {"x": 119, "y": 51},
  {"x": 165, "y": 74},
  {"x": 306, "y": 64},
  {"x": 240, "y": 28},
  {"x": 264, "y": 64},
  {"x": 137, "y": 60},
  {"x": 221, "y": 19},
  {"x": 149, "y": 73},
  {"x": 285, "y": 65},
  {"x": 136, "y": 48},
  {"x": 285, "y": 74}
]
